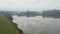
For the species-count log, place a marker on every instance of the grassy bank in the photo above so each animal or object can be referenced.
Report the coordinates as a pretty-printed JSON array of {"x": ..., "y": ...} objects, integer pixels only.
[{"x": 6, "y": 27}]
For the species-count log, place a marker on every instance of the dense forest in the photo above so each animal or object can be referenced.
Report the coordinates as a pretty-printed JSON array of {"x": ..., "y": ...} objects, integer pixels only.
[{"x": 46, "y": 13}]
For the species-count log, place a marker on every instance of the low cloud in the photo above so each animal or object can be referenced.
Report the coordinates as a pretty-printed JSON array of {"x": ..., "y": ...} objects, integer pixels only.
[{"x": 30, "y": 4}]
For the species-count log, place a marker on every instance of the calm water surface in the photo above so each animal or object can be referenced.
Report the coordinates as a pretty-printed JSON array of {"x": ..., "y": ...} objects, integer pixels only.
[{"x": 37, "y": 25}]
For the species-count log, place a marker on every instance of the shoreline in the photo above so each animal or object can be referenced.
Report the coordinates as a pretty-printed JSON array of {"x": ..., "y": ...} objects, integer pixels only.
[{"x": 15, "y": 25}]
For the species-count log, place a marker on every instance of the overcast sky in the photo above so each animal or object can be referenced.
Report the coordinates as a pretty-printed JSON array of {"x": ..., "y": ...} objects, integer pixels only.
[{"x": 29, "y": 4}]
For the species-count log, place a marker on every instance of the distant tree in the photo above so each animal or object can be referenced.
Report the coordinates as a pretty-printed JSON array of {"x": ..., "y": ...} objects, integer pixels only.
[{"x": 8, "y": 15}]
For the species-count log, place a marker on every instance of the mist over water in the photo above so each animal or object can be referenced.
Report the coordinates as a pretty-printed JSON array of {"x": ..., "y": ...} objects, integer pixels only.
[{"x": 37, "y": 25}]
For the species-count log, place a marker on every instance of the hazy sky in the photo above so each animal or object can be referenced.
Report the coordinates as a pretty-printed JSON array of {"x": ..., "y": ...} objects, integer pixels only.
[{"x": 29, "y": 4}]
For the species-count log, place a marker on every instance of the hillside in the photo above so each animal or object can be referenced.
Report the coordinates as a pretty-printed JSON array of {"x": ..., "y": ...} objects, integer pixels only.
[{"x": 6, "y": 27}]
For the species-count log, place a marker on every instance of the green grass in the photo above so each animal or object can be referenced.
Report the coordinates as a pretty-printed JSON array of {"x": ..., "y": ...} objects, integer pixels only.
[{"x": 6, "y": 27}]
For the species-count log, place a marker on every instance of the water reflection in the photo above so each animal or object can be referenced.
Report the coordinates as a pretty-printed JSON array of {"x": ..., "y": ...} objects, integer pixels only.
[
  {"x": 49, "y": 16},
  {"x": 38, "y": 25}
]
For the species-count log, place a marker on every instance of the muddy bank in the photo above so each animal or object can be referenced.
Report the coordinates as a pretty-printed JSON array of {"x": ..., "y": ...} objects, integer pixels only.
[
  {"x": 15, "y": 25},
  {"x": 20, "y": 31}
]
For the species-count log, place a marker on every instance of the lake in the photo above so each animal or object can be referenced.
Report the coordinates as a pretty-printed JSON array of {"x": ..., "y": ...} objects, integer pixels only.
[{"x": 37, "y": 25}]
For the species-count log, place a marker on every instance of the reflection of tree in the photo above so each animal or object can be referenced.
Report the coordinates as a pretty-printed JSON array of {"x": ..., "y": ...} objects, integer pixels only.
[
  {"x": 43, "y": 14},
  {"x": 52, "y": 13}
]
